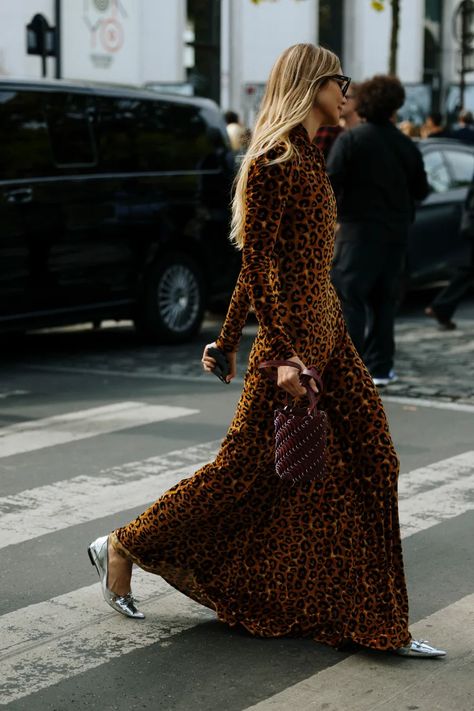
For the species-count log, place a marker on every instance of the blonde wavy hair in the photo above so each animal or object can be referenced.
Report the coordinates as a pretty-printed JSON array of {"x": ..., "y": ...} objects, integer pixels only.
[{"x": 291, "y": 89}]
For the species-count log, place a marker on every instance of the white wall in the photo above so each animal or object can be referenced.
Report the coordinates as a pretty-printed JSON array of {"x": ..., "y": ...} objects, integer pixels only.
[
  {"x": 268, "y": 28},
  {"x": 14, "y": 16},
  {"x": 254, "y": 37},
  {"x": 368, "y": 40},
  {"x": 132, "y": 42},
  {"x": 162, "y": 40}
]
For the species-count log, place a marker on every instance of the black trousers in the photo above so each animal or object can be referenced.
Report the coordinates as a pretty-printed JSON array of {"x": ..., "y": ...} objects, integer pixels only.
[
  {"x": 447, "y": 301},
  {"x": 366, "y": 274}
]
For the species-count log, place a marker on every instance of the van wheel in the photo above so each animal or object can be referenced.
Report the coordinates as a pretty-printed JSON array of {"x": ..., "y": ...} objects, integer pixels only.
[{"x": 172, "y": 307}]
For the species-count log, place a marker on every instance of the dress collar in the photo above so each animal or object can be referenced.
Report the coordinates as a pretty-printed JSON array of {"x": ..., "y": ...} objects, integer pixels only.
[{"x": 299, "y": 135}]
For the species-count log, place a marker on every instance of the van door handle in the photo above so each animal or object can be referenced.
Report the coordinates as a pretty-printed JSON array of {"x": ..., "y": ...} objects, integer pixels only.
[{"x": 19, "y": 196}]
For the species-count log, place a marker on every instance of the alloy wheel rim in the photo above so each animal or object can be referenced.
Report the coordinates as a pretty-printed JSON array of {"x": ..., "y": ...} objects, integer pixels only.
[{"x": 178, "y": 298}]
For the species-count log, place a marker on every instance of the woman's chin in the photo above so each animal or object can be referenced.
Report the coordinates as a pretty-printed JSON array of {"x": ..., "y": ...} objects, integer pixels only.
[{"x": 332, "y": 120}]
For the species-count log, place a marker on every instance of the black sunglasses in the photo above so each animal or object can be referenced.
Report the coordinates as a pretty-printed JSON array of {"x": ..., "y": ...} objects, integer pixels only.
[{"x": 343, "y": 81}]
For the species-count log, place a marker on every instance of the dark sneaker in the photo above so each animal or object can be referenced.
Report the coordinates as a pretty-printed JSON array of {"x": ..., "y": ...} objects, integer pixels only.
[{"x": 445, "y": 324}]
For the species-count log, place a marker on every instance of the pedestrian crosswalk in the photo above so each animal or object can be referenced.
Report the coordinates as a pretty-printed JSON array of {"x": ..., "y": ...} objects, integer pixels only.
[
  {"x": 72, "y": 426},
  {"x": 70, "y": 502},
  {"x": 69, "y": 635}
]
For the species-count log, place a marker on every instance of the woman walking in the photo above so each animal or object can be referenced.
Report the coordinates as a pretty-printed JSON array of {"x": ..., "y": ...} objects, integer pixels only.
[{"x": 320, "y": 559}]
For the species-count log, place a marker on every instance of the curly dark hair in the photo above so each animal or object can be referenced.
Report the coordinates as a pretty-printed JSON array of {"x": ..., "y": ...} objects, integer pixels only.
[{"x": 379, "y": 97}]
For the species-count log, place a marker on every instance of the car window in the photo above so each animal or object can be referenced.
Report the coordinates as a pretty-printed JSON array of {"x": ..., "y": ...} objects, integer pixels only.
[
  {"x": 70, "y": 129},
  {"x": 437, "y": 171},
  {"x": 147, "y": 135},
  {"x": 461, "y": 165},
  {"x": 25, "y": 148}
]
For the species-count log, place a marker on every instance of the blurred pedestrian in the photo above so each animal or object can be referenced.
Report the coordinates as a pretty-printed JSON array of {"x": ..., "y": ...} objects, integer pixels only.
[
  {"x": 326, "y": 135},
  {"x": 410, "y": 129},
  {"x": 235, "y": 131},
  {"x": 350, "y": 117},
  {"x": 377, "y": 174},
  {"x": 464, "y": 129},
  {"x": 433, "y": 127},
  {"x": 442, "y": 308},
  {"x": 320, "y": 559}
]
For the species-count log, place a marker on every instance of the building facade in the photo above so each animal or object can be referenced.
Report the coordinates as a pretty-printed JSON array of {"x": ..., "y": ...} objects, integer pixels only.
[{"x": 224, "y": 49}]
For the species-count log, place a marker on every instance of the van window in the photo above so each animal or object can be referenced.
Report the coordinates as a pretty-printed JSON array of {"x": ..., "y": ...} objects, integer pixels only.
[
  {"x": 462, "y": 167},
  {"x": 71, "y": 135},
  {"x": 146, "y": 135},
  {"x": 437, "y": 172},
  {"x": 25, "y": 149}
]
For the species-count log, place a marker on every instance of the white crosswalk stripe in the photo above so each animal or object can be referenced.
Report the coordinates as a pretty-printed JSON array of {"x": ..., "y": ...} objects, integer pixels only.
[
  {"x": 431, "y": 494},
  {"x": 50, "y": 508},
  {"x": 73, "y": 426},
  {"x": 428, "y": 495},
  {"x": 70, "y": 634},
  {"x": 58, "y": 639},
  {"x": 372, "y": 682}
]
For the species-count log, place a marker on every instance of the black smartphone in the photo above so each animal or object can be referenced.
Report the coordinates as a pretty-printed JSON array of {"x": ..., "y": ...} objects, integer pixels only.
[{"x": 222, "y": 368}]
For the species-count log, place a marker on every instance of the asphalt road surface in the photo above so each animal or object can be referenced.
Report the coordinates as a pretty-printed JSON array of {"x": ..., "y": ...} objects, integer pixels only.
[{"x": 93, "y": 430}]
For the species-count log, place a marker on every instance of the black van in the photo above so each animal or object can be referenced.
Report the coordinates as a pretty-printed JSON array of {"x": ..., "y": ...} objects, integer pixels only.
[{"x": 114, "y": 203}]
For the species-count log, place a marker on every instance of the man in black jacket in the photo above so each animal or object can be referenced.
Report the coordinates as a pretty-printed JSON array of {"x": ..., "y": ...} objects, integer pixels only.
[{"x": 377, "y": 174}]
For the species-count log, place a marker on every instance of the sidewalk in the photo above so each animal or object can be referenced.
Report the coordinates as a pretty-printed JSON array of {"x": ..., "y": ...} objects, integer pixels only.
[
  {"x": 429, "y": 363},
  {"x": 434, "y": 364}
]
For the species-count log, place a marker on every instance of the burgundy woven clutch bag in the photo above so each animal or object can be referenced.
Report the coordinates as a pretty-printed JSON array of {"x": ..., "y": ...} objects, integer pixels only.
[{"x": 300, "y": 432}]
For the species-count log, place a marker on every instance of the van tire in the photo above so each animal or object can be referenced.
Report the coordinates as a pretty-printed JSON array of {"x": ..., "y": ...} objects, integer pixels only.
[{"x": 171, "y": 309}]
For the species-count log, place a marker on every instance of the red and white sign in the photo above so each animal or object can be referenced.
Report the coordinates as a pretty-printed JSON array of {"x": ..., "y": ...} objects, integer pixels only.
[{"x": 100, "y": 40}]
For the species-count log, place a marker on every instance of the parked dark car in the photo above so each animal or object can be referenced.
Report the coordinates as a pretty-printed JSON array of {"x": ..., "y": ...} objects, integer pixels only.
[
  {"x": 435, "y": 246},
  {"x": 114, "y": 203}
]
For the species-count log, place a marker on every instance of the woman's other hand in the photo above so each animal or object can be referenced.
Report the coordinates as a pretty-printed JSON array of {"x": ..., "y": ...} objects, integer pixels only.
[
  {"x": 209, "y": 363},
  {"x": 289, "y": 379}
]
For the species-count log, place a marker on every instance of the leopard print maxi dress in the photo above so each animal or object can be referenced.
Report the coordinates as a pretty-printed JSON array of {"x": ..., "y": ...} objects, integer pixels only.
[{"x": 321, "y": 560}]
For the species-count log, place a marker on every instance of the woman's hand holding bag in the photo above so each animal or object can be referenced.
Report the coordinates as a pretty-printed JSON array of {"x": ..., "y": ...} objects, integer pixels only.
[{"x": 300, "y": 432}]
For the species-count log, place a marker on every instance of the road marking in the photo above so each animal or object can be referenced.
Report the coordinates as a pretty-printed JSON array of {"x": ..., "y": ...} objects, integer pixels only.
[
  {"x": 371, "y": 681},
  {"x": 45, "y": 509},
  {"x": 128, "y": 374},
  {"x": 37, "y": 652},
  {"x": 413, "y": 401},
  {"x": 423, "y": 402},
  {"x": 432, "y": 494},
  {"x": 13, "y": 393},
  {"x": 72, "y": 426},
  {"x": 428, "y": 495}
]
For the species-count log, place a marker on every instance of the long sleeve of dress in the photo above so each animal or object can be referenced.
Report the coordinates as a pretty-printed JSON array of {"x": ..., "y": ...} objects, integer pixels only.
[
  {"x": 229, "y": 338},
  {"x": 268, "y": 187}
]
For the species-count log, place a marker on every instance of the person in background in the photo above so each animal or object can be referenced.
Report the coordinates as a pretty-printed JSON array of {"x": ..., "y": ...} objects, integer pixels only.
[
  {"x": 326, "y": 135},
  {"x": 235, "y": 131},
  {"x": 377, "y": 173},
  {"x": 434, "y": 127},
  {"x": 446, "y": 302},
  {"x": 410, "y": 129},
  {"x": 464, "y": 131}
]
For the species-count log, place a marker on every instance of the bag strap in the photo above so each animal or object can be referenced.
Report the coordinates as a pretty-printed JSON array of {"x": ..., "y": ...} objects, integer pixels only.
[{"x": 305, "y": 374}]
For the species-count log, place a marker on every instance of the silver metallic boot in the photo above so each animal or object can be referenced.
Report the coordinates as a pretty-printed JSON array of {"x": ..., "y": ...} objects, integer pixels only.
[
  {"x": 420, "y": 648},
  {"x": 99, "y": 557}
]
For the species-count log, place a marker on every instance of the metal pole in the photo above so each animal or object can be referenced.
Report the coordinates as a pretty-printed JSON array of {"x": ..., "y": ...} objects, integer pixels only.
[
  {"x": 464, "y": 47},
  {"x": 57, "y": 22}
]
